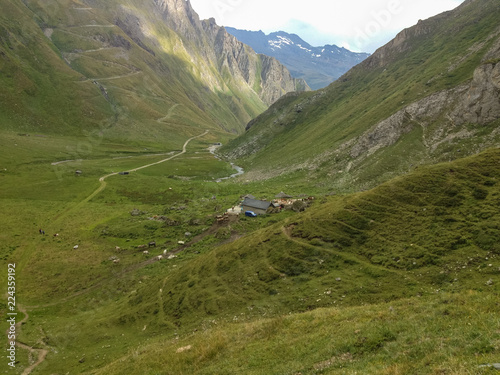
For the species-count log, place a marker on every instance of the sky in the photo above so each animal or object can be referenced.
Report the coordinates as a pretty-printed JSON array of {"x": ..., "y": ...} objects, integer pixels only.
[{"x": 358, "y": 25}]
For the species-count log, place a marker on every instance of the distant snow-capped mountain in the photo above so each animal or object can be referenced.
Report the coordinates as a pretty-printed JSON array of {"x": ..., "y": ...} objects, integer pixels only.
[{"x": 318, "y": 66}]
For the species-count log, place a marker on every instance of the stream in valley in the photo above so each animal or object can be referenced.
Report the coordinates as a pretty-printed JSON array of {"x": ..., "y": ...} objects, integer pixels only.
[{"x": 239, "y": 170}]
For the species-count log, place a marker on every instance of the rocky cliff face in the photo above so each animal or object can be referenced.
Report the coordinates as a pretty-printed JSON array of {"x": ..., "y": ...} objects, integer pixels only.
[
  {"x": 476, "y": 102},
  {"x": 269, "y": 78}
]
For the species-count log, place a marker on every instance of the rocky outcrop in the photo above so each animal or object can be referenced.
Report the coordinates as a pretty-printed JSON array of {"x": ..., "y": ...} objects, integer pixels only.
[
  {"x": 180, "y": 17},
  {"x": 401, "y": 43},
  {"x": 390, "y": 130},
  {"x": 268, "y": 77},
  {"x": 277, "y": 81},
  {"x": 406, "y": 39},
  {"x": 477, "y": 102},
  {"x": 481, "y": 104},
  {"x": 272, "y": 78}
]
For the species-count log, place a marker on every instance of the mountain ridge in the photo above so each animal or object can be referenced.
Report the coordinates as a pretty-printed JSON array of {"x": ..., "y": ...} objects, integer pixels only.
[
  {"x": 433, "y": 88},
  {"x": 319, "y": 66}
]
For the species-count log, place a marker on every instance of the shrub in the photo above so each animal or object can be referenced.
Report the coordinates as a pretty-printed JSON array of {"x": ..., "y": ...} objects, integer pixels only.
[{"x": 480, "y": 193}]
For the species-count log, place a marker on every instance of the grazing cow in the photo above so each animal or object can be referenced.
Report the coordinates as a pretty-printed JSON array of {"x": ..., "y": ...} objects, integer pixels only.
[
  {"x": 56, "y": 235},
  {"x": 152, "y": 244},
  {"x": 117, "y": 248},
  {"x": 159, "y": 257},
  {"x": 145, "y": 252},
  {"x": 75, "y": 247},
  {"x": 116, "y": 261},
  {"x": 142, "y": 246},
  {"x": 181, "y": 243}
]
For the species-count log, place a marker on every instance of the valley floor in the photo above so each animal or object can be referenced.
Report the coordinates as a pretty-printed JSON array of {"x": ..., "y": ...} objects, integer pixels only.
[{"x": 397, "y": 280}]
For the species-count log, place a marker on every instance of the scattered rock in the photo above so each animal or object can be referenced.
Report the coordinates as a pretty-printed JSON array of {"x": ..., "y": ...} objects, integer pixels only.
[
  {"x": 75, "y": 247},
  {"x": 172, "y": 222},
  {"x": 184, "y": 349},
  {"x": 136, "y": 212},
  {"x": 489, "y": 282},
  {"x": 496, "y": 366}
]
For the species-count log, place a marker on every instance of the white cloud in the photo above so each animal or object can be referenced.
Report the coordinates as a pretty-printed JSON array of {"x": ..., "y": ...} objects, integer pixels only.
[{"x": 360, "y": 24}]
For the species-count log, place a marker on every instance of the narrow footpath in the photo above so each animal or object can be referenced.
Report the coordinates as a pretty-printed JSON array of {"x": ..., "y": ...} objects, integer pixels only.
[{"x": 42, "y": 353}]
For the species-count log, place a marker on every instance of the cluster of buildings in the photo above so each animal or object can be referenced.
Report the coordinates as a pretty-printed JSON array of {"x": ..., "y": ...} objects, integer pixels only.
[{"x": 261, "y": 207}]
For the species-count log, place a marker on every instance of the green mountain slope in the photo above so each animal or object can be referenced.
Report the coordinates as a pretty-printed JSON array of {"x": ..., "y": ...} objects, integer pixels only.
[
  {"x": 128, "y": 69},
  {"x": 420, "y": 251},
  {"x": 412, "y": 337},
  {"x": 431, "y": 94},
  {"x": 414, "y": 229}
]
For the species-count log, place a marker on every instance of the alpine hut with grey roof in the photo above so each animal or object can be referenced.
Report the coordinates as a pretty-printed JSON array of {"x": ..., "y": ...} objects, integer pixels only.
[{"x": 259, "y": 207}]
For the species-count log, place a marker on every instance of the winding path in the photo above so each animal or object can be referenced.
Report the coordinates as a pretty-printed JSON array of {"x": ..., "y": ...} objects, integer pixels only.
[
  {"x": 103, "y": 178},
  {"x": 42, "y": 353},
  {"x": 103, "y": 183},
  {"x": 169, "y": 113}
]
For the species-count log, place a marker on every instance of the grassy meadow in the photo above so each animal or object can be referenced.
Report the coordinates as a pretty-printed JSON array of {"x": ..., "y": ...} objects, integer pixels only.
[
  {"x": 61, "y": 287},
  {"x": 398, "y": 279}
]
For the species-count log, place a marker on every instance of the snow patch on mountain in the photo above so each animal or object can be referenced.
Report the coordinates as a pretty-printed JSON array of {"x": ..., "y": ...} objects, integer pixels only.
[{"x": 319, "y": 66}]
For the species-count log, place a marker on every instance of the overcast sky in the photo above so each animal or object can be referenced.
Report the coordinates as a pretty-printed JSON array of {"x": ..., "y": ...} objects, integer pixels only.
[{"x": 358, "y": 25}]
